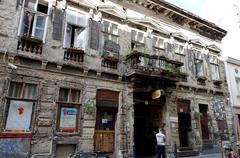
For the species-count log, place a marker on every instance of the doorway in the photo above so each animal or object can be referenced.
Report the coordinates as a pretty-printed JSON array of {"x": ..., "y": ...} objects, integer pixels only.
[
  {"x": 184, "y": 122},
  {"x": 203, "y": 108},
  {"x": 65, "y": 150},
  {"x": 146, "y": 124}
]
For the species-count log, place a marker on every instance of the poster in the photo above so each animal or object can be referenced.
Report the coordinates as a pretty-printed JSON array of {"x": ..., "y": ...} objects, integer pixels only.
[
  {"x": 68, "y": 118},
  {"x": 19, "y": 115}
]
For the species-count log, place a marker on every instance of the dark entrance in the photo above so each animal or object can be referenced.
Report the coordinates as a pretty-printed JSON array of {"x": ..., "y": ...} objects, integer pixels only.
[
  {"x": 204, "y": 120},
  {"x": 147, "y": 120},
  {"x": 184, "y": 122}
]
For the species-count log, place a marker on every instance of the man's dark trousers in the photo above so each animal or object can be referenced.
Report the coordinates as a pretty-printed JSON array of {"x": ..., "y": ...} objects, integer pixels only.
[{"x": 161, "y": 151}]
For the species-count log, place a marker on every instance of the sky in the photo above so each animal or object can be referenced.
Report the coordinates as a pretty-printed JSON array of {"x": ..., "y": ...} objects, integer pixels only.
[{"x": 224, "y": 13}]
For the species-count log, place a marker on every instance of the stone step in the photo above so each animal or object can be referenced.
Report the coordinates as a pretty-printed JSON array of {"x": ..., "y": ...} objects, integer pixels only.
[{"x": 187, "y": 153}]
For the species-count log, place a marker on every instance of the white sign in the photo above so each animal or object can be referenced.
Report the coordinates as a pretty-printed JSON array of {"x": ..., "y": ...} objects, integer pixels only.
[{"x": 19, "y": 115}]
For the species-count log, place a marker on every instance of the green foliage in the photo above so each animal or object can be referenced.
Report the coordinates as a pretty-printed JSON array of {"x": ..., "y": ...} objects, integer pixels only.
[
  {"x": 197, "y": 114},
  {"x": 171, "y": 68},
  {"x": 88, "y": 106}
]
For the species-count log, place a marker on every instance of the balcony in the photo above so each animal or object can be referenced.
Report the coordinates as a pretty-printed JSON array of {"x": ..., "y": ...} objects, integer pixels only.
[
  {"x": 74, "y": 55},
  {"x": 154, "y": 66},
  {"x": 110, "y": 54},
  {"x": 31, "y": 45}
]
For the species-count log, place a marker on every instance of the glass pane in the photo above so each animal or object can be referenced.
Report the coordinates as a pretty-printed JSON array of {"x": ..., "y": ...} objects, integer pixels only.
[
  {"x": 30, "y": 4},
  {"x": 75, "y": 94},
  {"x": 154, "y": 41},
  {"x": 63, "y": 94},
  {"x": 105, "y": 120},
  {"x": 106, "y": 26},
  {"x": 30, "y": 91},
  {"x": 39, "y": 27},
  {"x": 160, "y": 43},
  {"x": 133, "y": 35},
  {"x": 114, "y": 29},
  {"x": 214, "y": 72},
  {"x": 15, "y": 90},
  {"x": 140, "y": 37},
  {"x": 199, "y": 68}
]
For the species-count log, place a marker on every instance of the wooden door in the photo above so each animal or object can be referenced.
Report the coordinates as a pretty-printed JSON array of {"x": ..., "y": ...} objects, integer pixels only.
[{"x": 204, "y": 121}]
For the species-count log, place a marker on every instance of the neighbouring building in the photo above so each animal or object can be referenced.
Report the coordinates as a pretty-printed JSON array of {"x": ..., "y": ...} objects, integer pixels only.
[
  {"x": 103, "y": 76},
  {"x": 232, "y": 67}
]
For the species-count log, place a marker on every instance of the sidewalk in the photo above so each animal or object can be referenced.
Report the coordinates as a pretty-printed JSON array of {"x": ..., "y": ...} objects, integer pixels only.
[{"x": 215, "y": 155}]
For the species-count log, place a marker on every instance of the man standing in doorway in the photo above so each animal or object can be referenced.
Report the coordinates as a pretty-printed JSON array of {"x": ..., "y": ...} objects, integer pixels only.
[{"x": 161, "y": 144}]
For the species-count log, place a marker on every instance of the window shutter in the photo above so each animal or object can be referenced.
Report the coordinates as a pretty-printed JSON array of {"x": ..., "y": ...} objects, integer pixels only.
[
  {"x": 80, "y": 38},
  {"x": 190, "y": 61},
  {"x": 57, "y": 24},
  {"x": 94, "y": 34}
]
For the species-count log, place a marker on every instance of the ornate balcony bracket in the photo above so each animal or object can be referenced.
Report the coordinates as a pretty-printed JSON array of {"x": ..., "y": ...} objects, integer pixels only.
[
  {"x": 201, "y": 78},
  {"x": 217, "y": 82}
]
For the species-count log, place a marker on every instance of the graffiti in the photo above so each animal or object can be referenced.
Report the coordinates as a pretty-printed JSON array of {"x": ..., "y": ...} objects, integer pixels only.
[
  {"x": 218, "y": 106},
  {"x": 14, "y": 147}
]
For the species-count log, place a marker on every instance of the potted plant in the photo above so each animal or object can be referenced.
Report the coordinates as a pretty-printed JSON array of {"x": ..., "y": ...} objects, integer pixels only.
[{"x": 197, "y": 114}]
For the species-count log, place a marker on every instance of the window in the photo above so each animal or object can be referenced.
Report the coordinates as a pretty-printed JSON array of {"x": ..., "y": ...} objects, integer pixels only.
[
  {"x": 238, "y": 86},
  {"x": 198, "y": 63},
  {"x": 214, "y": 68},
  {"x": 22, "y": 90},
  {"x": 137, "y": 42},
  {"x": 110, "y": 32},
  {"x": 68, "y": 110},
  {"x": 75, "y": 30},
  {"x": 19, "y": 110},
  {"x": 33, "y": 19},
  {"x": 68, "y": 118},
  {"x": 69, "y": 95},
  {"x": 179, "y": 49},
  {"x": 158, "y": 42}
]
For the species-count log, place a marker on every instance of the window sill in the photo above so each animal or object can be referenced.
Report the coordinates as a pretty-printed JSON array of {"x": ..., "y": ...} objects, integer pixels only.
[
  {"x": 67, "y": 133},
  {"x": 14, "y": 134}
]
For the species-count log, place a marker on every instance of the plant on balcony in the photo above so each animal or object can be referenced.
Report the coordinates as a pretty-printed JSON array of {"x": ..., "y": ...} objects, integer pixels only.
[
  {"x": 171, "y": 69},
  {"x": 197, "y": 114}
]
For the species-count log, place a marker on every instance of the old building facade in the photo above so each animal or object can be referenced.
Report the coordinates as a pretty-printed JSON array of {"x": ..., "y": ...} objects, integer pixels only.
[
  {"x": 232, "y": 73},
  {"x": 103, "y": 76}
]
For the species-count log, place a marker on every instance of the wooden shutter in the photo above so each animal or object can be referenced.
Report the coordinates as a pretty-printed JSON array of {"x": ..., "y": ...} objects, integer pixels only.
[
  {"x": 57, "y": 24},
  {"x": 94, "y": 34}
]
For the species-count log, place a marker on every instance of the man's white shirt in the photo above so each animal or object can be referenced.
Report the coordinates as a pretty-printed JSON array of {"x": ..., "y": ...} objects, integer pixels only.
[{"x": 160, "y": 138}]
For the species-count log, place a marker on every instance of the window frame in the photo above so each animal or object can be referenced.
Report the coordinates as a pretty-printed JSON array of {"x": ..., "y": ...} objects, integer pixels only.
[
  {"x": 69, "y": 96},
  {"x": 20, "y": 98},
  {"x": 198, "y": 60},
  {"x": 213, "y": 62},
  {"x": 177, "y": 49},
  {"x": 110, "y": 35},
  {"x": 158, "y": 46},
  {"x": 36, "y": 14},
  {"x": 78, "y": 121},
  {"x": 135, "y": 42},
  {"x": 237, "y": 79},
  {"x": 74, "y": 25}
]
